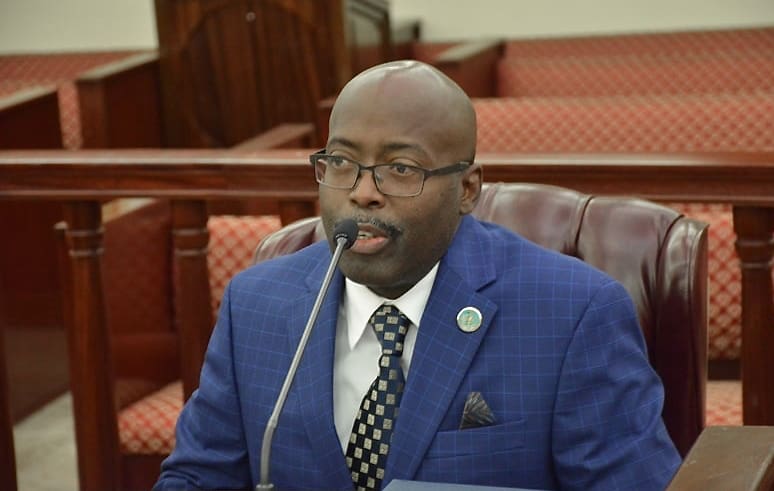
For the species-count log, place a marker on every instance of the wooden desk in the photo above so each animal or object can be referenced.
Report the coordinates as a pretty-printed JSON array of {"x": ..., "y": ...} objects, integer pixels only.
[{"x": 739, "y": 458}]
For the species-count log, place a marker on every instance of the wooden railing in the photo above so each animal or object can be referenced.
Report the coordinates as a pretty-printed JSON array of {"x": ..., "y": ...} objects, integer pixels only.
[{"x": 190, "y": 178}]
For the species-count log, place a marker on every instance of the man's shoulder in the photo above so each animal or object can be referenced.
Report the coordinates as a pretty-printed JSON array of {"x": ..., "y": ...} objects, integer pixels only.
[
  {"x": 519, "y": 255},
  {"x": 294, "y": 267}
]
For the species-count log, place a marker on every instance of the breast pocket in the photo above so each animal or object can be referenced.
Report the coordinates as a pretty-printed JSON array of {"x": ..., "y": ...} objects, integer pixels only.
[
  {"x": 487, "y": 455},
  {"x": 472, "y": 441}
]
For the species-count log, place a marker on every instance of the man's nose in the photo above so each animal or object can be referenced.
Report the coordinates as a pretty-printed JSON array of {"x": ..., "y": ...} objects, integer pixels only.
[{"x": 365, "y": 193}]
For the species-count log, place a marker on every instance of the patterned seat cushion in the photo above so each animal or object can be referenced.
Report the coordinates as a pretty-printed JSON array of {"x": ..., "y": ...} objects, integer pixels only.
[
  {"x": 725, "y": 280},
  {"x": 147, "y": 426},
  {"x": 724, "y": 403},
  {"x": 690, "y": 123},
  {"x": 635, "y": 75},
  {"x": 669, "y": 43},
  {"x": 233, "y": 240}
]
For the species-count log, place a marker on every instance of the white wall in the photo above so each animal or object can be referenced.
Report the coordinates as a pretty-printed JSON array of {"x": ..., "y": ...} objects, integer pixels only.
[
  {"x": 28, "y": 26},
  {"x": 469, "y": 19}
]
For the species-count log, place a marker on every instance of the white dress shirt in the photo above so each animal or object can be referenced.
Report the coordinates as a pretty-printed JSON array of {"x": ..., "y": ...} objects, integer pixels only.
[{"x": 356, "y": 360}]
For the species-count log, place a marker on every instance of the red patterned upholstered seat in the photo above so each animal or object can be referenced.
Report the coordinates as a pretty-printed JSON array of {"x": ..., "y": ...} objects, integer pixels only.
[
  {"x": 676, "y": 43},
  {"x": 147, "y": 426},
  {"x": 726, "y": 403},
  {"x": 635, "y": 75},
  {"x": 725, "y": 122},
  {"x": 144, "y": 352},
  {"x": 233, "y": 240}
]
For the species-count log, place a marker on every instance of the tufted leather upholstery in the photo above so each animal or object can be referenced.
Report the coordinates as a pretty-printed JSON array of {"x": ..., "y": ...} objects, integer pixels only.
[{"x": 656, "y": 253}]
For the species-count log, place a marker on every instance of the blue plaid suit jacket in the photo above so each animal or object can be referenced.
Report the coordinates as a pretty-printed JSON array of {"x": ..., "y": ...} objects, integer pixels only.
[{"x": 560, "y": 360}]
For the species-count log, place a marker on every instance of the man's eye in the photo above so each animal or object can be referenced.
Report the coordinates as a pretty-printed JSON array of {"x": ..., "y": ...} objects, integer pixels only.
[
  {"x": 402, "y": 169},
  {"x": 336, "y": 162}
]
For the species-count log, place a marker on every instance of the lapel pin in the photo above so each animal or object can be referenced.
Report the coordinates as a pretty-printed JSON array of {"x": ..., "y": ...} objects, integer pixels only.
[{"x": 469, "y": 319}]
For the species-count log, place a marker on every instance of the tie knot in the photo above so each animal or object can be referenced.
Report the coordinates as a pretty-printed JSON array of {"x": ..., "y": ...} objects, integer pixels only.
[{"x": 390, "y": 326}]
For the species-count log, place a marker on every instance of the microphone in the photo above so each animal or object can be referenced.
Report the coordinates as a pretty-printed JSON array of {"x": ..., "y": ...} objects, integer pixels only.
[{"x": 344, "y": 235}]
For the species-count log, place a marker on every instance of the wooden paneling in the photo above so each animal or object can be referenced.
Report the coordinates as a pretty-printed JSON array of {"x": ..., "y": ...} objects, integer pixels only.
[
  {"x": 30, "y": 119},
  {"x": 7, "y": 454},
  {"x": 231, "y": 69},
  {"x": 120, "y": 104},
  {"x": 473, "y": 66},
  {"x": 369, "y": 38},
  {"x": 29, "y": 292}
]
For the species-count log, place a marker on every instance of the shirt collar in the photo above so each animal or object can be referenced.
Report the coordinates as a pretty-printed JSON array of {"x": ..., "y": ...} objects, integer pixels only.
[{"x": 360, "y": 303}]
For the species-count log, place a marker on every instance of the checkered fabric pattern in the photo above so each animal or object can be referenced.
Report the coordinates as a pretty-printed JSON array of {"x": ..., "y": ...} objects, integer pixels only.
[
  {"x": 725, "y": 279},
  {"x": 634, "y": 75},
  {"x": 369, "y": 442},
  {"x": 686, "y": 42},
  {"x": 148, "y": 426},
  {"x": 724, "y": 403},
  {"x": 685, "y": 123},
  {"x": 233, "y": 240}
]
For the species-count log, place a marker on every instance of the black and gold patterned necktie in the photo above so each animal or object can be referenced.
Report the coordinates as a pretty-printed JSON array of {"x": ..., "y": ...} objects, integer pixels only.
[{"x": 369, "y": 442}]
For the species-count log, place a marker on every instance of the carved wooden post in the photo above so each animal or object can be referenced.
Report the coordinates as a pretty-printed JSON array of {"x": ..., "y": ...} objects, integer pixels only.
[
  {"x": 89, "y": 347},
  {"x": 290, "y": 211},
  {"x": 192, "y": 288},
  {"x": 755, "y": 247},
  {"x": 8, "y": 460}
]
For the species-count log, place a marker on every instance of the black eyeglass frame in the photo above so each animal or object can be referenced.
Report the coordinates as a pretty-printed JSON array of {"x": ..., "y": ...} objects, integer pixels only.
[{"x": 448, "y": 169}]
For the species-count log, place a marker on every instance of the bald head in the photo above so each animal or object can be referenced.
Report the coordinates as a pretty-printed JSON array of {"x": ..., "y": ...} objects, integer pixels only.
[
  {"x": 396, "y": 122},
  {"x": 416, "y": 92}
]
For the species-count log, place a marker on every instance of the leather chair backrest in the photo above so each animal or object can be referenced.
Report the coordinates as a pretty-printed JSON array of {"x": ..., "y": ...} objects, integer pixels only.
[{"x": 659, "y": 255}]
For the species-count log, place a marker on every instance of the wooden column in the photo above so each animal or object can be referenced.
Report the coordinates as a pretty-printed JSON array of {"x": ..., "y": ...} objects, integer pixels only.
[
  {"x": 96, "y": 430},
  {"x": 755, "y": 246},
  {"x": 7, "y": 455},
  {"x": 193, "y": 313},
  {"x": 290, "y": 211}
]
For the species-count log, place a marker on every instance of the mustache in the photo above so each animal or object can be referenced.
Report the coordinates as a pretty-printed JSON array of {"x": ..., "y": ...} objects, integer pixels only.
[{"x": 389, "y": 229}]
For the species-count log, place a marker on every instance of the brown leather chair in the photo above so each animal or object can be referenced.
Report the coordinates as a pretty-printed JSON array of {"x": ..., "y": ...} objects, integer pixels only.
[{"x": 659, "y": 255}]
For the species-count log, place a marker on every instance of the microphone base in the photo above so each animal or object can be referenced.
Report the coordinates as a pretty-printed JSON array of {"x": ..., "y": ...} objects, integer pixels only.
[{"x": 264, "y": 487}]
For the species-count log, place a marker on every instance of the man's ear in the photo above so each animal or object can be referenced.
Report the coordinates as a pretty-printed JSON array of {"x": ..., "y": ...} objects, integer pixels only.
[{"x": 472, "y": 179}]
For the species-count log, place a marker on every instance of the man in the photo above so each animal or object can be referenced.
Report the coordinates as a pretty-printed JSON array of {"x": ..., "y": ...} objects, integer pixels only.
[{"x": 490, "y": 360}]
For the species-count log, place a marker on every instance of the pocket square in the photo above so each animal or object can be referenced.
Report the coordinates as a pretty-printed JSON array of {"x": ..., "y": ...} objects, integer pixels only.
[{"x": 476, "y": 412}]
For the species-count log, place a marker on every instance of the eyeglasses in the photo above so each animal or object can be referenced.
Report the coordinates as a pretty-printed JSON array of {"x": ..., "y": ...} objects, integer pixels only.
[{"x": 401, "y": 180}]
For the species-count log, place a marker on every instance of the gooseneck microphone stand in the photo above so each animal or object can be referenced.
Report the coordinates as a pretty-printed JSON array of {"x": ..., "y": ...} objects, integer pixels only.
[{"x": 345, "y": 235}]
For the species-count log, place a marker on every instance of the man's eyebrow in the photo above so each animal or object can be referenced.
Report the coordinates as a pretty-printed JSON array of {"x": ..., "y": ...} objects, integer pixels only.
[
  {"x": 386, "y": 148},
  {"x": 398, "y": 146},
  {"x": 343, "y": 142}
]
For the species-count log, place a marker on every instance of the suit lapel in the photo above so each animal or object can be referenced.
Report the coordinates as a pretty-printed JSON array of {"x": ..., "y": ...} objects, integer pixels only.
[
  {"x": 313, "y": 383},
  {"x": 443, "y": 352}
]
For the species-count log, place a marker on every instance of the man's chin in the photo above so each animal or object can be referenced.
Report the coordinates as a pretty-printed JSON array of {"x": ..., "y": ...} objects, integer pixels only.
[{"x": 363, "y": 272}]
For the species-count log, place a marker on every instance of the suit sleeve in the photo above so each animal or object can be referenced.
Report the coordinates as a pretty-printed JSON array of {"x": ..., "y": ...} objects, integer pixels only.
[
  {"x": 608, "y": 432},
  {"x": 210, "y": 450}
]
